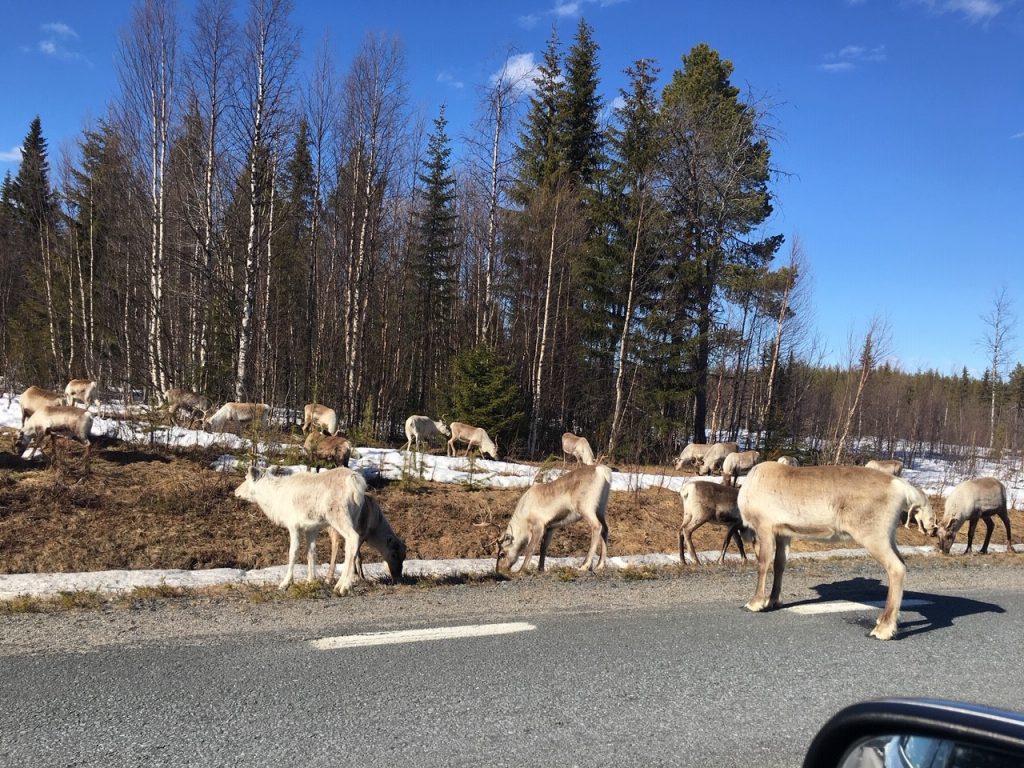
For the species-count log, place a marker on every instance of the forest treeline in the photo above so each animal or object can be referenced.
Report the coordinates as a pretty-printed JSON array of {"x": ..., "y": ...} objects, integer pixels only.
[{"x": 240, "y": 229}]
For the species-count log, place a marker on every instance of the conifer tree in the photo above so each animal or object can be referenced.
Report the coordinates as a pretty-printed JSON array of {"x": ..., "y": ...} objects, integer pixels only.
[
  {"x": 434, "y": 275},
  {"x": 717, "y": 168}
]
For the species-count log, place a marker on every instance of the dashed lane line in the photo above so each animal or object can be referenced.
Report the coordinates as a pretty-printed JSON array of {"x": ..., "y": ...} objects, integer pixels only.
[
  {"x": 419, "y": 635},
  {"x": 842, "y": 606}
]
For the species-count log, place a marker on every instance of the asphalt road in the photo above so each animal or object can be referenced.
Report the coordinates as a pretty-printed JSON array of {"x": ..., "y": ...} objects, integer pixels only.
[{"x": 669, "y": 672}]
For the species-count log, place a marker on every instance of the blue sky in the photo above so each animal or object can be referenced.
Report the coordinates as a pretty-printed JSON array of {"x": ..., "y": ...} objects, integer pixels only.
[{"x": 901, "y": 124}]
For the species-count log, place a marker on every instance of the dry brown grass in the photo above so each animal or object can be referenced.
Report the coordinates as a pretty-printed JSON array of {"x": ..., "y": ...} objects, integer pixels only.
[{"x": 154, "y": 509}]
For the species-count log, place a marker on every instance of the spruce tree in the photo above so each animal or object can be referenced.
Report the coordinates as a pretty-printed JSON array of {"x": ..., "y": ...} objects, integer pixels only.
[
  {"x": 434, "y": 273},
  {"x": 540, "y": 154},
  {"x": 484, "y": 393}
]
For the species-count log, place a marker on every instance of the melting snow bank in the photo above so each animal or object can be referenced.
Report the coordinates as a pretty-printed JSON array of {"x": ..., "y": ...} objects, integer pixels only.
[
  {"x": 392, "y": 464},
  {"x": 50, "y": 584}
]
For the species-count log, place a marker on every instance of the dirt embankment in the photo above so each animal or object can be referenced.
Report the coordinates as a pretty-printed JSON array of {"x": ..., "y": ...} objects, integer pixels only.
[{"x": 146, "y": 509}]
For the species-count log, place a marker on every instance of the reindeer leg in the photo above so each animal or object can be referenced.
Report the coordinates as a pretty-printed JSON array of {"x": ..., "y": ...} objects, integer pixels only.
[
  {"x": 531, "y": 544},
  {"x": 725, "y": 542},
  {"x": 311, "y": 555},
  {"x": 335, "y": 546},
  {"x": 604, "y": 545},
  {"x": 765, "y": 553},
  {"x": 293, "y": 555},
  {"x": 971, "y": 528},
  {"x": 688, "y": 538},
  {"x": 544, "y": 542},
  {"x": 1006, "y": 524},
  {"x": 344, "y": 585},
  {"x": 781, "y": 552},
  {"x": 885, "y": 552},
  {"x": 595, "y": 542},
  {"x": 989, "y": 526}
]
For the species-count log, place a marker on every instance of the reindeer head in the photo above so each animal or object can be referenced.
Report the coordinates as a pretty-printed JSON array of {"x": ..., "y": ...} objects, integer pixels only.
[
  {"x": 925, "y": 516},
  {"x": 24, "y": 438},
  {"x": 395, "y": 557},
  {"x": 508, "y": 552},
  {"x": 247, "y": 490},
  {"x": 947, "y": 534}
]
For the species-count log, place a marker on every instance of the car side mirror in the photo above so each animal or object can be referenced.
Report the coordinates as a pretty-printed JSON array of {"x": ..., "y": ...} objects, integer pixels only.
[{"x": 918, "y": 733}]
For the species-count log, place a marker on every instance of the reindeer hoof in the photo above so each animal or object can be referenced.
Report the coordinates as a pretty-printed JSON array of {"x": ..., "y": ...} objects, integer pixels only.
[
  {"x": 284, "y": 584},
  {"x": 343, "y": 589},
  {"x": 757, "y": 605},
  {"x": 883, "y": 633}
]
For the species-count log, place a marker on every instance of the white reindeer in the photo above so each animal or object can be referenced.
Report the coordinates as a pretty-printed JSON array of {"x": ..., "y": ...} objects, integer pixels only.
[
  {"x": 739, "y": 463},
  {"x": 423, "y": 428},
  {"x": 474, "y": 437},
  {"x": 56, "y": 421},
  {"x": 80, "y": 391},
  {"x": 708, "y": 502},
  {"x": 305, "y": 503},
  {"x": 195, "y": 405},
  {"x": 892, "y": 467},
  {"x": 969, "y": 502},
  {"x": 829, "y": 503},
  {"x": 235, "y": 414},
  {"x": 34, "y": 398},
  {"x": 692, "y": 454},
  {"x": 711, "y": 462},
  {"x": 579, "y": 448},
  {"x": 319, "y": 417},
  {"x": 581, "y": 494},
  {"x": 789, "y": 461}
]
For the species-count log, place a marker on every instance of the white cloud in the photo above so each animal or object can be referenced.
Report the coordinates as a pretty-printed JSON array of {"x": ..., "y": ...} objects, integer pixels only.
[
  {"x": 447, "y": 78},
  {"x": 851, "y": 56},
  {"x": 564, "y": 9},
  {"x": 972, "y": 10},
  {"x": 519, "y": 71},
  {"x": 59, "y": 28},
  {"x": 48, "y": 47},
  {"x": 12, "y": 155},
  {"x": 1018, "y": 135},
  {"x": 571, "y": 8}
]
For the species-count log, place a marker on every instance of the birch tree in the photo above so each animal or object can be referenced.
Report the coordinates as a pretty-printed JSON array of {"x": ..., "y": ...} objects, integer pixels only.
[{"x": 147, "y": 61}]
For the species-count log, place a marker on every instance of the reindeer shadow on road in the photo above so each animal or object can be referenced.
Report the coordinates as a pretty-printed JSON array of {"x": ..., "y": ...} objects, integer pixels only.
[{"x": 936, "y": 611}]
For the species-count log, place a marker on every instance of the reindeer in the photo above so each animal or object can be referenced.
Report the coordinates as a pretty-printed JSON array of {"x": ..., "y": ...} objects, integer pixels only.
[
  {"x": 711, "y": 462},
  {"x": 56, "y": 421},
  {"x": 34, "y": 398},
  {"x": 80, "y": 391},
  {"x": 581, "y": 494},
  {"x": 579, "y": 448},
  {"x": 708, "y": 502},
  {"x": 692, "y": 455},
  {"x": 197, "y": 406},
  {"x": 235, "y": 414},
  {"x": 319, "y": 417},
  {"x": 828, "y": 503},
  {"x": 892, "y": 467},
  {"x": 423, "y": 428},
  {"x": 332, "y": 448},
  {"x": 473, "y": 437},
  {"x": 969, "y": 502},
  {"x": 306, "y": 503}
]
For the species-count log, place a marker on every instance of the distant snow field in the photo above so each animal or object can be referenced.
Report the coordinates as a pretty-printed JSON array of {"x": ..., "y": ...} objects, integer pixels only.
[{"x": 936, "y": 476}]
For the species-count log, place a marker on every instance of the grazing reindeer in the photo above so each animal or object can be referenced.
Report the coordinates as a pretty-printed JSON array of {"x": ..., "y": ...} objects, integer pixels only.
[
  {"x": 235, "y": 414},
  {"x": 197, "y": 406},
  {"x": 332, "y": 448},
  {"x": 711, "y": 462},
  {"x": 692, "y": 455},
  {"x": 828, "y": 503},
  {"x": 423, "y": 428},
  {"x": 306, "y": 503},
  {"x": 56, "y": 421},
  {"x": 579, "y": 448},
  {"x": 34, "y": 398},
  {"x": 789, "y": 461},
  {"x": 379, "y": 535},
  {"x": 707, "y": 502},
  {"x": 80, "y": 391},
  {"x": 473, "y": 437},
  {"x": 737, "y": 464},
  {"x": 581, "y": 494},
  {"x": 969, "y": 502},
  {"x": 319, "y": 417}
]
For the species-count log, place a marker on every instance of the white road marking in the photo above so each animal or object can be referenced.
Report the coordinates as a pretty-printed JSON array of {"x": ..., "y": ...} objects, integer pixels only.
[
  {"x": 419, "y": 635},
  {"x": 841, "y": 606}
]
